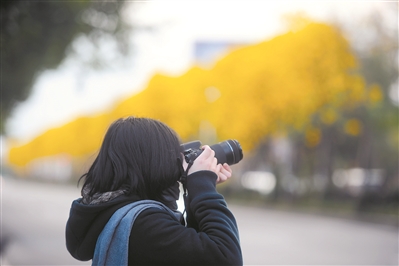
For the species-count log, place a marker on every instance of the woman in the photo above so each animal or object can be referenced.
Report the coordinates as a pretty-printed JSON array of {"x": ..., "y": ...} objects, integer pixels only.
[{"x": 140, "y": 161}]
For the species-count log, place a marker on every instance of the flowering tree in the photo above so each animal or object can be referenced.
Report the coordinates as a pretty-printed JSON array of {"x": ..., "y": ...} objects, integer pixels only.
[{"x": 293, "y": 82}]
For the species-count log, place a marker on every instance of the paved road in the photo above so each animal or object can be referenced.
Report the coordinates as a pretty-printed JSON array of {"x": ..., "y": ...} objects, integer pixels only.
[{"x": 33, "y": 217}]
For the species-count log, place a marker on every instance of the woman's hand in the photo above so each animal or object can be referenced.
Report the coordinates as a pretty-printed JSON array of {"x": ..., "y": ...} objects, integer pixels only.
[
  {"x": 224, "y": 173},
  {"x": 207, "y": 161}
]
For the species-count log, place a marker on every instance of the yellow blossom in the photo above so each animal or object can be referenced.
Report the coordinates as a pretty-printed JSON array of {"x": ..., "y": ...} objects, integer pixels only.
[{"x": 353, "y": 127}]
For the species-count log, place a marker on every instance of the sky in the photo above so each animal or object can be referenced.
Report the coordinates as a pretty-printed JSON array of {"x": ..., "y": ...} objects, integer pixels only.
[{"x": 65, "y": 93}]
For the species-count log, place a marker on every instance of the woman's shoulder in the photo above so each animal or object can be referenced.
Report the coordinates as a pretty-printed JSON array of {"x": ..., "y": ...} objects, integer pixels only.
[
  {"x": 154, "y": 215},
  {"x": 153, "y": 221}
]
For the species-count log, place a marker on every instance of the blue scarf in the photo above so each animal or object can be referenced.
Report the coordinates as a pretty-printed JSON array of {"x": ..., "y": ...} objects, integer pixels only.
[{"x": 112, "y": 245}]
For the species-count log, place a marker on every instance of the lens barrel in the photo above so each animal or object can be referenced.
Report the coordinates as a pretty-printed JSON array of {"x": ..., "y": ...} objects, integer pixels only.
[{"x": 228, "y": 151}]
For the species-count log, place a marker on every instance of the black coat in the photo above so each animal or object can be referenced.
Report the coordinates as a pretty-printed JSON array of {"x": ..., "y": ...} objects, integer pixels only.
[{"x": 210, "y": 238}]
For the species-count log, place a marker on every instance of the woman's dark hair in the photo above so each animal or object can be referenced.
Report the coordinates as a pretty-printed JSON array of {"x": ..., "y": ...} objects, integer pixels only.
[{"x": 138, "y": 154}]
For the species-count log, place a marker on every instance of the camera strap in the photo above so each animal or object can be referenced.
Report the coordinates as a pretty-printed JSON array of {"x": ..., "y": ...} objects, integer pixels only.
[{"x": 183, "y": 180}]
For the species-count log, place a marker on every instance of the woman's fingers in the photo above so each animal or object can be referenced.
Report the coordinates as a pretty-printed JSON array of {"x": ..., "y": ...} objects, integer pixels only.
[
  {"x": 224, "y": 173},
  {"x": 207, "y": 161}
]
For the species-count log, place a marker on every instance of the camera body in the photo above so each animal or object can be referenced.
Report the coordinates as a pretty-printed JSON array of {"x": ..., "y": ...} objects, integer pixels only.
[{"x": 228, "y": 151}]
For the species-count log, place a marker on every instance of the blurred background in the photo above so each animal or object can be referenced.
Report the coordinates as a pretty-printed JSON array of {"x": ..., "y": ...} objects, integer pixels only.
[{"x": 309, "y": 89}]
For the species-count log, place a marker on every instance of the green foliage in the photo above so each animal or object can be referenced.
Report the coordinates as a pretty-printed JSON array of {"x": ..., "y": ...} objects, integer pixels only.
[{"x": 36, "y": 35}]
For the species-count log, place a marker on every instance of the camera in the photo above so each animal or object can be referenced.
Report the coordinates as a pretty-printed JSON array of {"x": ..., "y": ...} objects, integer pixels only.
[{"x": 228, "y": 151}]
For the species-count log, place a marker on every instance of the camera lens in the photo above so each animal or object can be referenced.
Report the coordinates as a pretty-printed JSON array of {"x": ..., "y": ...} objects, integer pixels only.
[{"x": 228, "y": 151}]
